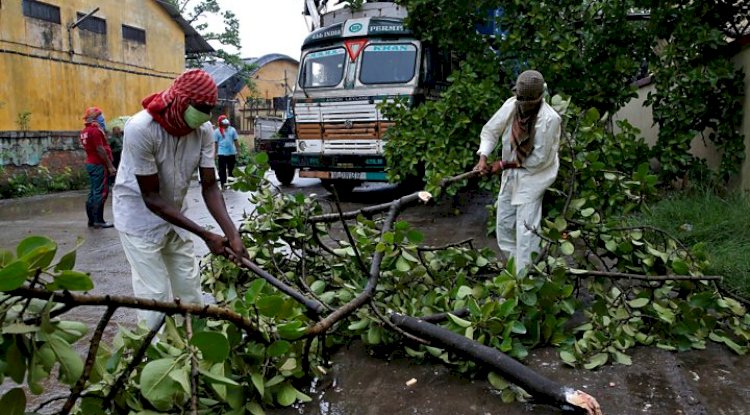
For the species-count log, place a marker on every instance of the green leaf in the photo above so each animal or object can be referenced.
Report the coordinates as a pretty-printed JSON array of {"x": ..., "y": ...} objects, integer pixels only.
[
  {"x": 286, "y": 395},
  {"x": 292, "y": 330},
  {"x": 373, "y": 334},
  {"x": 19, "y": 328},
  {"x": 402, "y": 264},
  {"x": 37, "y": 251},
  {"x": 14, "y": 275},
  {"x": 587, "y": 212},
  {"x": 255, "y": 408},
  {"x": 497, "y": 381},
  {"x": 278, "y": 348},
  {"x": 254, "y": 290},
  {"x": 257, "y": 380},
  {"x": 156, "y": 384},
  {"x": 359, "y": 325},
  {"x": 270, "y": 306},
  {"x": 318, "y": 287},
  {"x": 216, "y": 378},
  {"x": 214, "y": 346},
  {"x": 180, "y": 375},
  {"x": 6, "y": 257},
  {"x": 597, "y": 360},
  {"x": 638, "y": 302},
  {"x": 67, "y": 262},
  {"x": 71, "y": 365},
  {"x": 679, "y": 267},
  {"x": 518, "y": 327},
  {"x": 463, "y": 292},
  {"x": 414, "y": 236},
  {"x": 459, "y": 321},
  {"x": 623, "y": 359},
  {"x": 567, "y": 248},
  {"x": 14, "y": 402},
  {"x": 261, "y": 158},
  {"x": 568, "y": 357},
  {"x": 72, "y": 281}
]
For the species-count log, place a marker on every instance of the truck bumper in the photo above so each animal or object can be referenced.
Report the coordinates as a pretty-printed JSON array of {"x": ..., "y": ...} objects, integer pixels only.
[{"x": 340, "y": 166}]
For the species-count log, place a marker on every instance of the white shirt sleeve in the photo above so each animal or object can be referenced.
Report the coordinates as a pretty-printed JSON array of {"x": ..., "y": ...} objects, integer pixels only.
[
  {"x": 494, "y": 128},
  {"x": 207, "y": 146},
  {"x": 546, "y": 143},
  {"x": 140, "y": 143}
]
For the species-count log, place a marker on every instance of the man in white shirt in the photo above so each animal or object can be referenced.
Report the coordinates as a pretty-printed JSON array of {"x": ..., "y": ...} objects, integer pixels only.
[
  {"x": 530, "y": 131},
  {"x": 163, "y": 146}
]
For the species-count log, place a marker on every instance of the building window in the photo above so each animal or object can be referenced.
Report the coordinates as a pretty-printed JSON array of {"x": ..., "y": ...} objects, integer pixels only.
[
  {"x": 134, "y": 34},
  {"x": 93, "y": 24},
  {"x": 42, "y": 11}
]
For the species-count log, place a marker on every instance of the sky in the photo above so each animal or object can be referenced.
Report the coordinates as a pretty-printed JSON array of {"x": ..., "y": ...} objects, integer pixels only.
[{"x": 268, "y": 26}]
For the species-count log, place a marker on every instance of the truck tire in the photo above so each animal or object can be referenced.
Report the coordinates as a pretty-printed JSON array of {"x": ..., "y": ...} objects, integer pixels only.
[
  {"x": 343, "y": 187},
  {"x": 284, "y": 174}
]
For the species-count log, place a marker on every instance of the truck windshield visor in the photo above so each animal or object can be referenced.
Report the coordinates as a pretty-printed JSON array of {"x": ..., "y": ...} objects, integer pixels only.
[
  {"x": 323, "y": 68},
  {"x": 388, "y": 63}
]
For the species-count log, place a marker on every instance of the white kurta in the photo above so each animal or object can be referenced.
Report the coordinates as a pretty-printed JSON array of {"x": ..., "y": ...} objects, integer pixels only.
[
  {"x": 161, "y": 255},
  {"x": 519, "y": 205}
]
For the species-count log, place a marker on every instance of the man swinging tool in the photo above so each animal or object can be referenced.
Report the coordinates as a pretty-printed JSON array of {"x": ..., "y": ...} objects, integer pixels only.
[{"x": 530, "y": 131}]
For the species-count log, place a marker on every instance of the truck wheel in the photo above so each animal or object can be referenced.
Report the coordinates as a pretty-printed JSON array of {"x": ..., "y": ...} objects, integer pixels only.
[
  {"x": 343, "y": 187},
  {"x": 284, "y": 174}
]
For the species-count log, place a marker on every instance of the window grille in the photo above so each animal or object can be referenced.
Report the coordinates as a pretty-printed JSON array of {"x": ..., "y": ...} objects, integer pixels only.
[
  {"x": 93, "y": 24},
  {"x": 42, "y": 11},
  {"x": 134, "y": 34}
]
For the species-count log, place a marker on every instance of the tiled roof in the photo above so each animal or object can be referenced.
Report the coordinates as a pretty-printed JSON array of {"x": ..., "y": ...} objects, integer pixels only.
[{"x": 224, "y": 74}]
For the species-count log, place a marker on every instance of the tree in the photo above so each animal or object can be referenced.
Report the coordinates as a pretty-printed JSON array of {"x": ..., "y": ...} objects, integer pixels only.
[
  {"x": 196, "y": 12},
  {"x": 591, "y": 51}
]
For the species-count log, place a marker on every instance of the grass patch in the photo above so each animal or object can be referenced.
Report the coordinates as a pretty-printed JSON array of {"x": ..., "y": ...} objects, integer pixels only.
[{"x": 722, "y": 223}]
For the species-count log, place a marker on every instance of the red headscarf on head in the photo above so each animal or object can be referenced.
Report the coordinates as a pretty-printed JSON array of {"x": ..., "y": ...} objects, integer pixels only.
[
  {"x": 167, "y": 107},
  {"x": 221, "y": 126},
  {"x": 91, "y": 114}
]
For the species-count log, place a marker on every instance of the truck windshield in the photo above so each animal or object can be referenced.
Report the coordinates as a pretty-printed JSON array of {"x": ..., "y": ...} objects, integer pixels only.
[
  {"x": 323, "y": 68},
  {"x": 388, "y": 63}
]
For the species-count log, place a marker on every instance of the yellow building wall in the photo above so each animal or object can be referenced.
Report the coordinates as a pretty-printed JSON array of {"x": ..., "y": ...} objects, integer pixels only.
[{"x": 40, "y": 75}]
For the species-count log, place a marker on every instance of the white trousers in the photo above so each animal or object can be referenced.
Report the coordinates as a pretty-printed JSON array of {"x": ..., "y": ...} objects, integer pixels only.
[
  {"x": 162, "y": 270},
  {"x": 513, "y": 227}
]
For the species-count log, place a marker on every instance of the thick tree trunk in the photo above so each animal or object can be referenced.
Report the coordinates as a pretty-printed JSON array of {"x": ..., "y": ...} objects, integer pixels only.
[{"x": 543, "y": 389}]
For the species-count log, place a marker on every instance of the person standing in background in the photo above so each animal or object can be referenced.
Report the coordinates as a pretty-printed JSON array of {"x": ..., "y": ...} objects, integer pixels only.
[
  {"x": 115, "y": 143},
  {"x": 99, "y": 166},
  {"x": 225, "y": 137}
]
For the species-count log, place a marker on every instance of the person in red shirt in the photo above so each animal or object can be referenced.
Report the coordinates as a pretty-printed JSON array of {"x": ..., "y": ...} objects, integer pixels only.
[{"x": 98, "y": 165}]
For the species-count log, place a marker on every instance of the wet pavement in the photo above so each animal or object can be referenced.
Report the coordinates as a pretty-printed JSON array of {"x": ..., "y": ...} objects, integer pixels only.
[{"x": 713, "y": 381}]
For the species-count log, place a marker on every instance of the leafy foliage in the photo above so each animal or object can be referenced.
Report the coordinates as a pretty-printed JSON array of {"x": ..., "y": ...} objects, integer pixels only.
[
  {"x": 241, "y": 372},
  {"x": 592, "y": 51}
]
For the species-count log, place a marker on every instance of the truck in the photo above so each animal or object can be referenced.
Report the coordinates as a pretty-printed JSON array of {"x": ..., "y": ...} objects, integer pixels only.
[
  {"x": 353, "y": 61},
  {"x": 274, "y": 136}
]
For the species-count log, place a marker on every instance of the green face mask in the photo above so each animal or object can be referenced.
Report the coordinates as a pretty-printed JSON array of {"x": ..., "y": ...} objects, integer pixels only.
[{"x": 195, "y": 118}]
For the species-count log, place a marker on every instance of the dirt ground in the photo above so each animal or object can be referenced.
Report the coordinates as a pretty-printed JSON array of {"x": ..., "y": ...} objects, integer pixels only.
[{"x": 712, "y": 381}]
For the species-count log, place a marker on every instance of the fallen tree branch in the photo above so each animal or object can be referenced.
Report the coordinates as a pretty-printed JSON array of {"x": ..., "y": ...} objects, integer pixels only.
[
  {"x": 371, "y": 210},
  {"x": 170, "y": 308},
  {"x": 642, "y": 277},
  {"x": 543, "y": 389},
  {"x": 134, "y": 362},
  {"x": 366, "y": 294},
  {"x": 313, "y": 306},
  {"x": 75, "y": 392}
]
